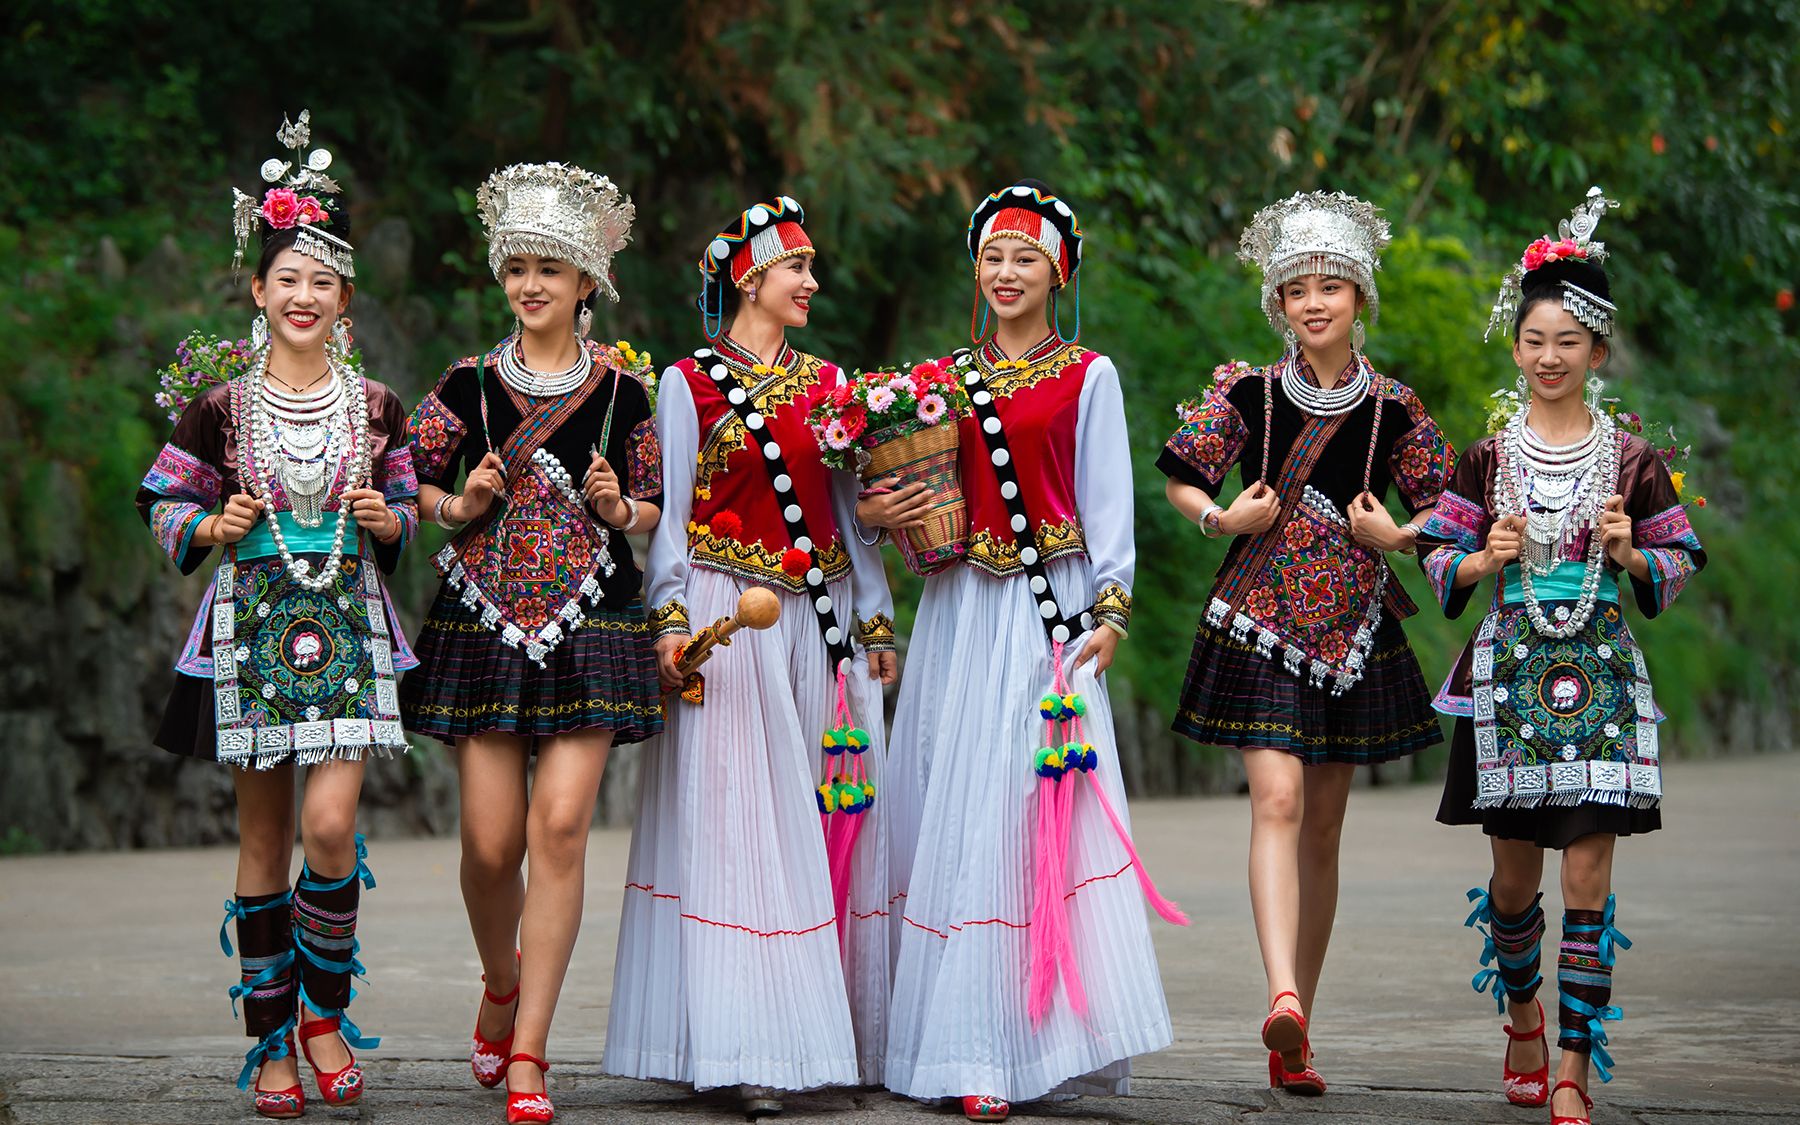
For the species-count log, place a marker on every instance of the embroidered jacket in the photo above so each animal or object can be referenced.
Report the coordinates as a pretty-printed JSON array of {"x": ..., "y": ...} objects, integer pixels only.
[
  {"x": 722, "y": 510},
  {"x": 198, "y": 469},
  {"x": 1064, "y": 420}
]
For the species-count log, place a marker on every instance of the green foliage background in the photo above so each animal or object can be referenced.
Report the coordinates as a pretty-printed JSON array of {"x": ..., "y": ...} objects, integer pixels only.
[{"x": 1475, "y": 125}]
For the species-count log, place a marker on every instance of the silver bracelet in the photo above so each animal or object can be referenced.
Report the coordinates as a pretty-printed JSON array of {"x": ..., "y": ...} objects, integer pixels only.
[
  {"x": 1211, "y": 531},
  {"x": 631, "y": 521},
  {"x": 437, "y": 512}
]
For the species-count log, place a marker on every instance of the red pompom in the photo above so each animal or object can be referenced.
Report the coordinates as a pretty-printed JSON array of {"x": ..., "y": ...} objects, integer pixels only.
[
  {"x": 726, "y": 525},
  {"x": 795, "y": 562}
]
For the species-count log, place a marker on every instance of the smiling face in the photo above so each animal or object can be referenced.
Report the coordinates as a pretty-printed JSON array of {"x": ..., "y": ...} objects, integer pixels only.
[
  {"x": 1321, "y": 309},
  {"x": 1015, "y": 278},
  {"x": 544, "y": 292},
  {"x": 1555, "y": 351},
  {"x": 784, "y": 291},
  {"x": 301, "y": 296}
]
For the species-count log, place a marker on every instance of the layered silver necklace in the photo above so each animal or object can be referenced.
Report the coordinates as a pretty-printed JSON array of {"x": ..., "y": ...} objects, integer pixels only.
[
  {"x": 1319, "y": 402},
  {"x": 1561, "y": 491},
  {"x": 298, "y": 442},
  {"x": 533, "y": 383}
]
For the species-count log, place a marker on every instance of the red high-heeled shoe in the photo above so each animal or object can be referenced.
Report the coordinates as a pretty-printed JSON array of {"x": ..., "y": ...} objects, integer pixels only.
[
  {"x": 1305, "y": 1081},
  {"x": 1284, "y": 1032},
  {"x": 487, "y": 1057},
  {"x": 1587, "y": 1103},
  {"x": 532, "y": 1108},
  {"x": 985, "y": 1107},
  {"x": 1526, "y": 1087},
  {"x": 339, "y": 1087},
  {"x": 279, "y": 1104}
]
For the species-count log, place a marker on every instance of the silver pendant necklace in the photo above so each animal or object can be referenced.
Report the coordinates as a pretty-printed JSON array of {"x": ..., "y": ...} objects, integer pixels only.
[
  {"x": 1561, "y": 491},
  {"x": 533, "y": 383}
]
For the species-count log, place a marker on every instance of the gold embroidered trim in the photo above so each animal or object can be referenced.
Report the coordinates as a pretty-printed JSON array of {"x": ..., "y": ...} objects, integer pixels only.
[
  {"x": 989, "y": 553},
  {"x": 877, "y": 633},
  {"x": 669, "y": 619},
  {"x": 1009, "y": 376},
  {"x": 1114, "y": 604},
  {"x": 754, "y": 562},
  {"x": 781, "y": 386}
]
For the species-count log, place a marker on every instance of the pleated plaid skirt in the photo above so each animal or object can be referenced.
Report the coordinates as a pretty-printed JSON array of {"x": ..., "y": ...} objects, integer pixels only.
[{"x": 1233, "y": 697}]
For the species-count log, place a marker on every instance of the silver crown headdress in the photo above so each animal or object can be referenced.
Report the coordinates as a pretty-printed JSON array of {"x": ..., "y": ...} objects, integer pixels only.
[
  {"x": 1315, "y": 232},
  {"x": 303, "y": 199},
  {"x": 556, "y": 211},
  {"x": 1573, "y": 242}
]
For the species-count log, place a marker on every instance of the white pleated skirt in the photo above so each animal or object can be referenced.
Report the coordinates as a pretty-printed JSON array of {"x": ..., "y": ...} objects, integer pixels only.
[
  {"x": 962, "y": 801},
  {"x": 731, "y": 968}
]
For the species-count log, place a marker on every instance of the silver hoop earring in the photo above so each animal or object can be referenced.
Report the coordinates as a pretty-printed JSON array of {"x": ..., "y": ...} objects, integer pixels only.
[
  {"x": 1357, "y": 337},
  {"x": 259, "y": 332},
  {"x": 340, "y": 337},
  {"x": 584, "y": 322}
]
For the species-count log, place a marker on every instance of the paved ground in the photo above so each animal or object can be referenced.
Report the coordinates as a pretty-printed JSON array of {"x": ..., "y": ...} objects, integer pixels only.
[{"x": 113, "y": 1009}]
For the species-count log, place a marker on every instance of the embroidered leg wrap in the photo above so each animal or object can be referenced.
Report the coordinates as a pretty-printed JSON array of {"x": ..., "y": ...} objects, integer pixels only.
[
  {"x": 325, "y": 941},
  {"x": 1584, "y": 968},
  {"x": 1512, "y": 951},
  {"x": 267, "y": 985}
]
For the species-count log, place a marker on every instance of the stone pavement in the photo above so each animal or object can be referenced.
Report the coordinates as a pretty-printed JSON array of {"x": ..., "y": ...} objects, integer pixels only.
[{"x": 113, "y": 1007}]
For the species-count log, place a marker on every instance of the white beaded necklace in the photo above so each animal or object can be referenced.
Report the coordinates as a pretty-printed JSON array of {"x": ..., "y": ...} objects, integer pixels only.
[
  {"x": 542, "y": 384},
  {"x": 261, "y": 447},
  {"x": 1322, "y": 403},
  {"x": 1561, "y": 491}
]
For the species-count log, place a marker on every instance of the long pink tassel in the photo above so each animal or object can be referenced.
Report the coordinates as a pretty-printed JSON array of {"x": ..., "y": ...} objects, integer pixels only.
[
  {"x": 842, "y": 828},
  {"x": 1167, "y": 910},
  {"x": 1049, "y": 922}
]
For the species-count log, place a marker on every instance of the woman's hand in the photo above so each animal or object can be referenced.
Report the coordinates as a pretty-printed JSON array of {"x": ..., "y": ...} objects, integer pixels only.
[
  {"x": 1102, "y": 645},
  {"x": 1504, "y": 540},
  {"x": 370, "y": 511},
  {"x": 486, "y": 481},
  {"x": 1253, "y": 512},
  {"x": 884, "y": 666},
  {"x": 240, "y": 515},
  {"x": 1615, "y": 536},
  {"x": 666, "y": 672},
  {"x": 897, "y": 509},
  {"x": 1373, "y": 526},
  {"x": 600, "y": 486}
]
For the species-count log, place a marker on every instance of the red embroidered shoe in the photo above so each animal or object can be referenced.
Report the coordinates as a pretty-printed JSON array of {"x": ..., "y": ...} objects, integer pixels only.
[
  {"x": 985, "y": 1107},
  {"x": 487, "y": 1057},
  {"x": 522, "y": 1108},
  {"x": 338, "y": 1087},
  {"x": 1284, "y": 1032},
  {"x": 1526, "y": 1087},
  {"x": 279, "y": 1104},
  {"x": 1306, "y": 1081},
  {"x": 1587, "y": 1104}
]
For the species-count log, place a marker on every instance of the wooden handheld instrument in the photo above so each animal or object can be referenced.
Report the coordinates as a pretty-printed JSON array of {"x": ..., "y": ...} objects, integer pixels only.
[{"x": 757, "y": 608}]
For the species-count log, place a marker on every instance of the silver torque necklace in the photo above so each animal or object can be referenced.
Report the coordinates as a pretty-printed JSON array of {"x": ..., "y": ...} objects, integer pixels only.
[
  {"x": 1318, "y": 401},
  {"x": 308, "y": 431},
  {"x": 542, "y": 384},
  {"x": 1561, "y": 491}
]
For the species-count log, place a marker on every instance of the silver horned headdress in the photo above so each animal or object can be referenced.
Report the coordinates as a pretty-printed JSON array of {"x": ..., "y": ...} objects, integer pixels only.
[
  {"x": 1573, "y": 243},
  {"x": 301, "y": 197},
  {"x": 556, "y": 211},
  {"x": 1315, "y": 232}
]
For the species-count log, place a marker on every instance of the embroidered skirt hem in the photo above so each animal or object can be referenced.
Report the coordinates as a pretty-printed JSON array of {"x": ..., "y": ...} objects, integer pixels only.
[
  {"x": 1547, "y": 825},
  {"x": 189, "y": 729},
  {"x": 1234, "y": 697}
]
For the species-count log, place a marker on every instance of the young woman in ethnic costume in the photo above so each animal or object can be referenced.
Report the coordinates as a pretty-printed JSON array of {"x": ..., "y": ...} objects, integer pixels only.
[
  {"x": 536, "y": 645},
  {"x": 1300, "y": 660},
  {"x": 1010, "y": 844},
  {"x": 293, "y": 653},
  {"x": 1556, "y": 741},
  {"x": 735, "y": 966}
]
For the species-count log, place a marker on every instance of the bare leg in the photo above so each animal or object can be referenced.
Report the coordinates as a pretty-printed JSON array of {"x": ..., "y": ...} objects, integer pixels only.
[
  {"x": 561, "y": 812},
  {"x": 1277, "y": 803},
  {"x": 1586, "y": 883},
  {"x": 265, "y": 808},
  {"x": 491, "y": 777},
  {"x": 328, "y": 833},
  {"x": 1326, "y": 793},
  {"x": 1518, "y": 873}
]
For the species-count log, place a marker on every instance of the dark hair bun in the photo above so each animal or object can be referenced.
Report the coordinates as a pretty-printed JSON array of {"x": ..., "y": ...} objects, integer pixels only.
[{"x": 1548, "y": 279}]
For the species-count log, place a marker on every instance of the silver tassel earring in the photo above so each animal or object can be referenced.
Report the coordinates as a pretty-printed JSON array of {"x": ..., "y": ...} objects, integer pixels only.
[
  {"x": 340, "y": 337},
  {"x": 1290, "y": 343},
  {"x": 259, "y": 332},
  {"x": 518, "y": 332},
  {"x": 1596, "y": 386},
  {"x": 1522, "y": 386},
  {"x": 584, "y": 322},
  {"x": 1357, "y": 337}
]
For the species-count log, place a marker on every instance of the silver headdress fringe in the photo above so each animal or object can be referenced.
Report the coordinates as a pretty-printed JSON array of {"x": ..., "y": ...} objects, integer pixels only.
[
  {"x": 1591, "y": 310},
  {"x": 556, "y": 211},
  {"x": 1315, "y": 232},
  {"x": 313, "y": 241}
]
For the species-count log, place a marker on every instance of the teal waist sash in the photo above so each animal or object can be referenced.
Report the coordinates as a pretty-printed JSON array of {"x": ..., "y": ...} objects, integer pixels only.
[
  {"x": 1561, "y": 585},
  {"x": 300, "y": 540}
]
